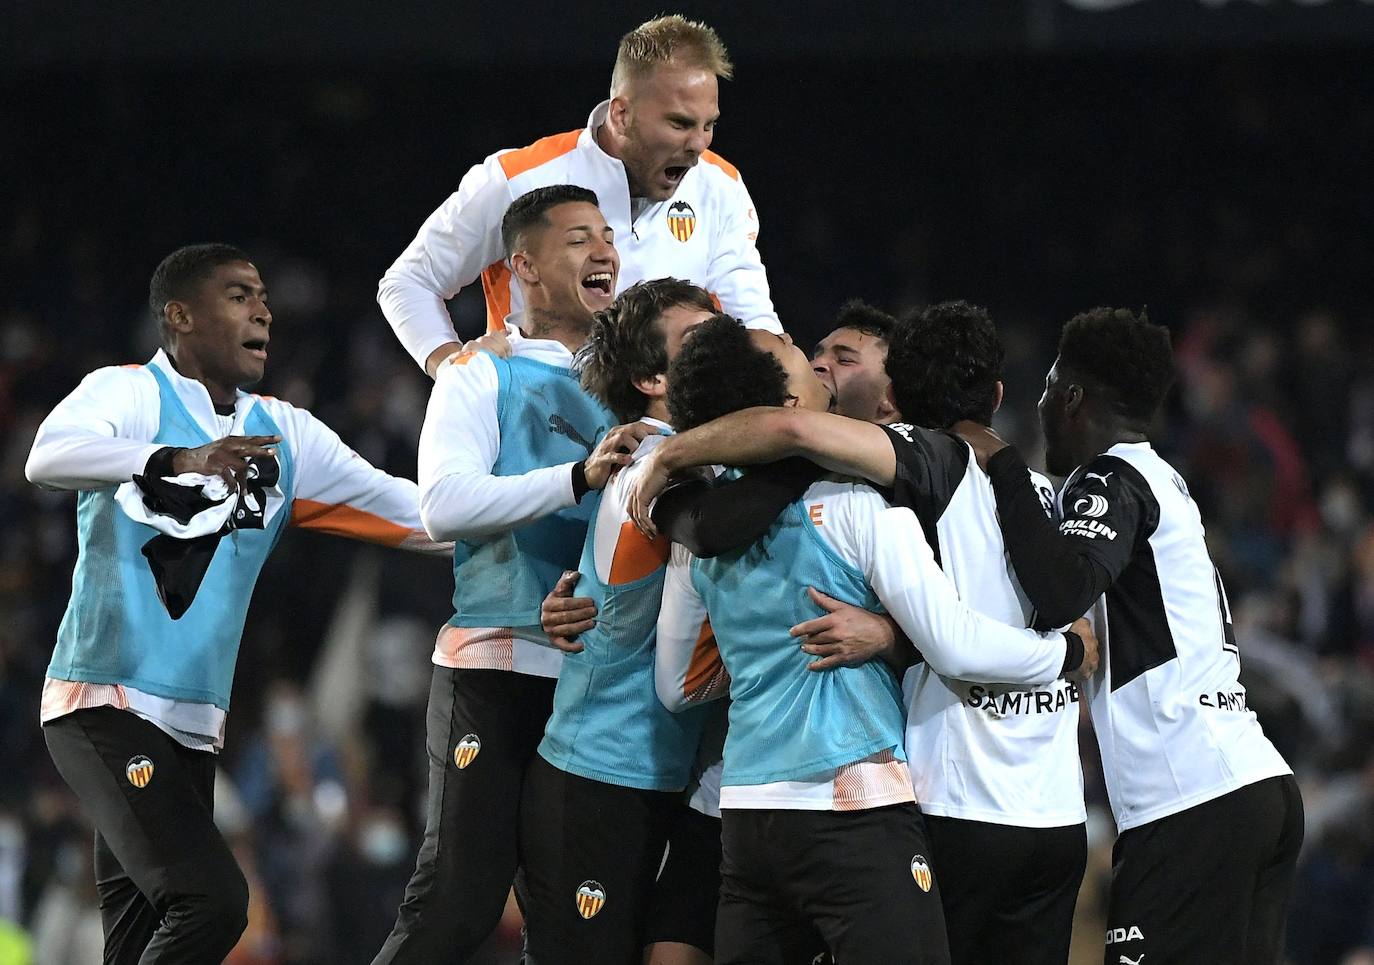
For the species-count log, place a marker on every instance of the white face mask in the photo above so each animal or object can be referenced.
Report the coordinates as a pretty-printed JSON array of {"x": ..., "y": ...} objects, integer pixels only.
[
  {"x": 383, "y": 842},
  {"x": 1340, "y": 507},
  {"x": 285, "y": 716}
]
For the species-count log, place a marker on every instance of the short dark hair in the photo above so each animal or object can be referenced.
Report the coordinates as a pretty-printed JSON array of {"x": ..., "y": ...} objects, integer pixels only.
[
  {"x": 532, "y": 208},
  {"x": 863, "y": 317},
  {"x": 945, "y": 363},
  {"x": 176, "y": 278},
  {"x": 720, "y": 371},
  {"x": 627, "y": 343},
  {"x": 1126, "y": 358}
]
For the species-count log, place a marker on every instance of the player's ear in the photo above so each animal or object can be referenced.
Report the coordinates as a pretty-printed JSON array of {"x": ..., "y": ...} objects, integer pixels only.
[
  {"x": 176, "y": 317},
  {"x": 1073, "y": 398},
  {"x": 997, "y": 396},
  {"x": 655, "y": 386},
  {"x": 618, "y": 114},
  {"x": 523, "y": 267},
  {"x": 887, "y": 406}
]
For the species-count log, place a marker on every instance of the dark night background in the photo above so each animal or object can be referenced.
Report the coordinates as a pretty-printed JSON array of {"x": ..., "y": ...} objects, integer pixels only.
[{"x": 1208, "y": 160}]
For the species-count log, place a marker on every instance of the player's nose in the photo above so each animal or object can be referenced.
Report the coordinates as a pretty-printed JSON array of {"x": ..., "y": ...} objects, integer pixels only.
[{"x": 698, "y": 141}]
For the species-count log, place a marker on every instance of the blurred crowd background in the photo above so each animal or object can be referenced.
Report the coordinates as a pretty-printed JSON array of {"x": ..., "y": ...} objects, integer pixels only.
[{"x": 1224, "y": 186}]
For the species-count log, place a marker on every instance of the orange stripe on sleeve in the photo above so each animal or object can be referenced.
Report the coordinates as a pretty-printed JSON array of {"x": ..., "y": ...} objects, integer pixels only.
[
  {"x": 636, "y": 556},
  {"x": 706, "y": 672},
  {"x": 341, "y": 520},
  {"x": 712, "y": 157},
  {"x": 517, "y": 162},
  {"x": 496, "y": 283}
]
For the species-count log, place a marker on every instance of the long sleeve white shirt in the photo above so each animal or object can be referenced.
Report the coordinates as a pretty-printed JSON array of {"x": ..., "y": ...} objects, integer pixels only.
[
  {"x": 461, "y": 499},
  {"x": 101, "y": 434},
  {"x": 461, "y": 241},
  {"x": 459, "y": 444}
]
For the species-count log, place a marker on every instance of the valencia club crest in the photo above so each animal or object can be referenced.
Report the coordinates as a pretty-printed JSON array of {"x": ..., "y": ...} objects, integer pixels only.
[
  {"x": 467, "y": 750},
  {"x": 590, "y": 897},
  {"x": 920, "y": 870},
  {"x": 139, "y": 771},
  {"x": 682, "y": 220}
]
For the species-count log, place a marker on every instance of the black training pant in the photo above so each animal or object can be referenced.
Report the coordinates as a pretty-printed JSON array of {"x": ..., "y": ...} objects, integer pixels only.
[
  {"x": 683, "y": 908},
  {"x": 490, "y": 722},
  {"x": 863, "y": 879},
  {"x": 590, "y": 852},
  {"x": 1009, "y": 892},
  {"x": 1209, "y": 884},
  {"x": 169, "y": 889}
]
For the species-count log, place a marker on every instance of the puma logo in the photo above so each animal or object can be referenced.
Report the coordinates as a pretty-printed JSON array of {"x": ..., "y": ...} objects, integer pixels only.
[
  {"x": 1132, "y": 961},
  {"x": 563, "y": 427},
  {"x": 1098, "y": 475}
]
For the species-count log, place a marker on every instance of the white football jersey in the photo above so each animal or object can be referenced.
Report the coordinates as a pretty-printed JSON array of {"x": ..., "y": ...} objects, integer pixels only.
[
  {"x": 1002, "y": 754},
  {"x": 1170, "y": 714}
]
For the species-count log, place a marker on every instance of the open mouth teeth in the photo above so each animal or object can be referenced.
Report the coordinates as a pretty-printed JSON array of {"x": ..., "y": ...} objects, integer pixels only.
[
  {"x": 675, "y": 172},
  {"x": 256, "y": 345},
  {"x": 598, "y": 281}
]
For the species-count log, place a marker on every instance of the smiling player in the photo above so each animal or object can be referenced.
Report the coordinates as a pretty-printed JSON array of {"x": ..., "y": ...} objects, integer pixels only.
[{"x": 506, "y": 457}]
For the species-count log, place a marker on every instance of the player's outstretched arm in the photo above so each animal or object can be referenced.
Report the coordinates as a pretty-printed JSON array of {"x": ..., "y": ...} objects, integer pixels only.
[
  {"x": 714, "y": 517},
  {"x": 1064, "y": 567},
  {"x": 454, "y": 245},
  {"x": 1062, "y": 574},
  {"x": 99, "y": 435},
  {"x": 955, "y": 640},
  {"x": 341, "y": 493},
  {"x": 766, "y": 434},
  {"x": 769, "y": 433},
  {"x": 460, "y": 498}
]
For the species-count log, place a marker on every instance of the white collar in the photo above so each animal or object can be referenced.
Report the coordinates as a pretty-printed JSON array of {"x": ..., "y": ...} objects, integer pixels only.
[
  {"x": 548, "y": 350},
  {"x": 595, "y": 119},
  {"x": 651, "y": 443},
  {"x": 196, "y": 397}
]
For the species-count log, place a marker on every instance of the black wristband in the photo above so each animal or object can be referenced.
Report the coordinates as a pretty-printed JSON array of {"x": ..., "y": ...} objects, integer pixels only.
[
  {"x": 1073, "y": 653},
  {"x": 579, "y": 480},
  {"x": 159, "y": 464}
]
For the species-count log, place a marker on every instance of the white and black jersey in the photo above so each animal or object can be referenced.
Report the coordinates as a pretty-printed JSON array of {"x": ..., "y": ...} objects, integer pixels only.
[
  {"x": 997, "y": 754},
  {"x": 1170, "y": 714}
]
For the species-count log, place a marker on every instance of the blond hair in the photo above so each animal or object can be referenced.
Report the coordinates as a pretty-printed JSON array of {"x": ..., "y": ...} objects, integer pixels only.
[{"x": 670, "y": 39}]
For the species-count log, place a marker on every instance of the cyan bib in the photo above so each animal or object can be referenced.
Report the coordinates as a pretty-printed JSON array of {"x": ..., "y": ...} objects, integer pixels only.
[
  {"x": 116, "y": 630},
  {"x": 789, "y": 723},
  {"x": 608, "y": 723},
  {"x": 545, "y": 419}
]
